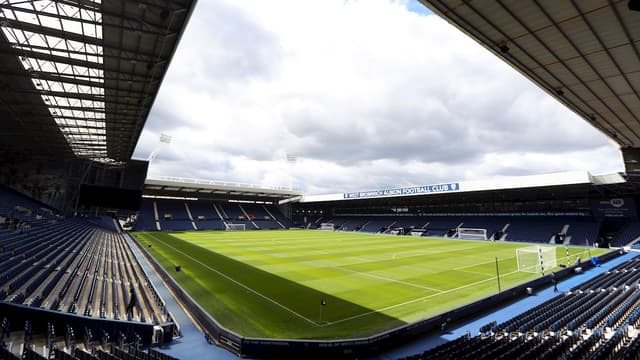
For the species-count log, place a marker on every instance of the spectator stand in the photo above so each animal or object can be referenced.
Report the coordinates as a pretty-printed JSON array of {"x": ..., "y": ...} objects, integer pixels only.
[{"x": 471, "y": 328}]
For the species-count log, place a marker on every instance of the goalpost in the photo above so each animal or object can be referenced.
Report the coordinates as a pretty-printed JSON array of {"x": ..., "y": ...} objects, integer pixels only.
[
  {"x": 327, "y": 226},
  {"x": 536, "y": 259},
  {"x": 236, "y": 227},
  {"x": 472, "y": 233}
]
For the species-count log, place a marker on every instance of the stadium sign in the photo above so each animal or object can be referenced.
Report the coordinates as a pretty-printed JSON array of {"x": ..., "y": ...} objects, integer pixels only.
[
  {"x": 414, "y": 190},
  {"x": 614, "y": 208}
]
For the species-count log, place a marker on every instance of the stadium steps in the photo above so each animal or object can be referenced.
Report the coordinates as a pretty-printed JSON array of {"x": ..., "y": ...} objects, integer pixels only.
[
  {"x": 186, "y": 207},
  {"x": 246, "y": 216},
  {"x": 192, "y": 344},
  {"x": 155, "y": 216},
  {"x": 219, "y": 211},
  {"x": 273, "y": 217}
]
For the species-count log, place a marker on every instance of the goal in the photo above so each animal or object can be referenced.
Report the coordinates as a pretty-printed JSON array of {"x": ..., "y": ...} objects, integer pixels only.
[
  {"x": 236, "y": 227},
  {"x": 418, "y": 232},
  {"x": 536, "y": 259},
  {"x": 327, "y": 226},
  {"x": 472, "y": 234}
]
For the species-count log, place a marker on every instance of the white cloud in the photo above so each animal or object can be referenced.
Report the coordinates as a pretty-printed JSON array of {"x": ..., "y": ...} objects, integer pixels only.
[{"x": 367, "y": 94}]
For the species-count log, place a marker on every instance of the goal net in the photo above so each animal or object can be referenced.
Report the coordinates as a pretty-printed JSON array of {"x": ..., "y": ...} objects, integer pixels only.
[
  {"x": 236, "y": 227},
  {"x": 327, "y": 226},
  {"x": 418, "y": 232},
  {"x": 536, "y": 259},
  {"x": 472, "y": 234}
]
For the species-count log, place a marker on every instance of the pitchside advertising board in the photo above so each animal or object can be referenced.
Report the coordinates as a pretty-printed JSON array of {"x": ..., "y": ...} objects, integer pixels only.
[
  {"x": 414, "y": 190},
  {"x": 614, "y": 208}
]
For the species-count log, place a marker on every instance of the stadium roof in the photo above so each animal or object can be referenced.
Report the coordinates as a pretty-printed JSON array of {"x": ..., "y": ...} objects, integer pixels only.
[
  {"x": 181, "y": 187},
  {"x": 78, "y": 78},
  {"x": 583, "y": 53},
  {"x": 526, "y": 183}
]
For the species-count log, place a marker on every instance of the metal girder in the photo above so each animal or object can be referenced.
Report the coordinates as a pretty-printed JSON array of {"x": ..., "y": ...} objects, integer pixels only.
[
  {"x": 564, "y": 64},
  {"x": 612, "y": 59},
  {"x": 576, "y": 51},
  {"x": 108, "y": 52},
  {"x": 83, "y": 4},
  {"x": 59, "y": 16},
  {"x": 122, "y": 114},
  {"x": 443, "y": 9},
  {"x": 87, "y": 83},
  {"x": 118, "y": 120},
  {"x": 25, "y": 26},
  {"x": 51, "y": 76},
  {"x": 49, "y": 57},
  {"x": 100, "y": 110},
  {"x": 134, "y": 77},
  {"x": 137, "y": 79},
  {"x": 137, "y": 29}
]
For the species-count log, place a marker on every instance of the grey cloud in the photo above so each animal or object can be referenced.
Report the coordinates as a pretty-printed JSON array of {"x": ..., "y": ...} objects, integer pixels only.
[
  {"x": 444, "y": 110},
  {"x": 452, "y": 129},
  {"x": 163, "y": 118},
  {"x": 180, "y": 164},
  {"x": 223, "y": 45}
]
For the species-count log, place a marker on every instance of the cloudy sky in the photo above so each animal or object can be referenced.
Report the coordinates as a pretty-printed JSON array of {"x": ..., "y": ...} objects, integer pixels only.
[{"x": 366, "y": 94}]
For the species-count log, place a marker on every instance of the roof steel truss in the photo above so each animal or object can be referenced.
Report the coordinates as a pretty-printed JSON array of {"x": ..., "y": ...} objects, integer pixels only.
[{"x": 95, "y": 66}]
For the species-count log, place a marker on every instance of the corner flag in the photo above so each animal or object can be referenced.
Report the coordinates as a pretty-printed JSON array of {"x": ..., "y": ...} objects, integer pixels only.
[{"x": 322, "y": 302}]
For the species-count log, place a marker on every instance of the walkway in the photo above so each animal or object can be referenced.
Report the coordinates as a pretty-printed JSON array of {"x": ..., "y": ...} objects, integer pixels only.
[{"x": 192, "y": 344}]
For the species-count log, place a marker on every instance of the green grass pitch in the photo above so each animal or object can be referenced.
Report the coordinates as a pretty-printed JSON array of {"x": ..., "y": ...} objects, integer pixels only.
[{"x": 271, "y": 283}]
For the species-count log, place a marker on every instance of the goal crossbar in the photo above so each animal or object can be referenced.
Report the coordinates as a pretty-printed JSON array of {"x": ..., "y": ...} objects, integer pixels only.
[
  {"x": 472, "y": 233},
  {"x": 327, "y": 226},
  {"x": 236, "y": 227}
]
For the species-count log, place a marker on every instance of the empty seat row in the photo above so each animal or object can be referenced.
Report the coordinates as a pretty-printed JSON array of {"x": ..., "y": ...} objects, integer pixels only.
[
  {"x": 75, "y": 266},
  {"x": 600, "y": 323}
]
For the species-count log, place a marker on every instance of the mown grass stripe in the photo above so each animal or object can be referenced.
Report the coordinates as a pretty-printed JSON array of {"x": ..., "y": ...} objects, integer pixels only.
[
  {"x": 237, "y": 282},
  {"x": 371, "y": 282}
]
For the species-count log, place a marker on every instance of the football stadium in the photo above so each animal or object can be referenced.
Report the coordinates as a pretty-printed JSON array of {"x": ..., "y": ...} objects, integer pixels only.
[{"x": 101, "y": 259}]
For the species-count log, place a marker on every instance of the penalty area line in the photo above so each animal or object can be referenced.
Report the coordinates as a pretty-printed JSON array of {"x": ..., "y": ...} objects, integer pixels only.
[
  {"x": 484, "y": 263},
  {"x": 413, "y": 301},
  {"x": 388, "y": 279}
]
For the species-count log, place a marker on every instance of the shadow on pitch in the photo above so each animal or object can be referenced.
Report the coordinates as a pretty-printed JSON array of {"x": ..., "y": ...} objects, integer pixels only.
[{"x": 287, "y": 308}]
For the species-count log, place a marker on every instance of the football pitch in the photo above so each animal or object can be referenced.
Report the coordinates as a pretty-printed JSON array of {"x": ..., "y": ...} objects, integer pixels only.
[{"x": 317, "y": 284}]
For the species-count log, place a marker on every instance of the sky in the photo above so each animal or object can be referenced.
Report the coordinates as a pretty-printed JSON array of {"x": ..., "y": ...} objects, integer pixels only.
[{"x": 366, "y": 94}]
